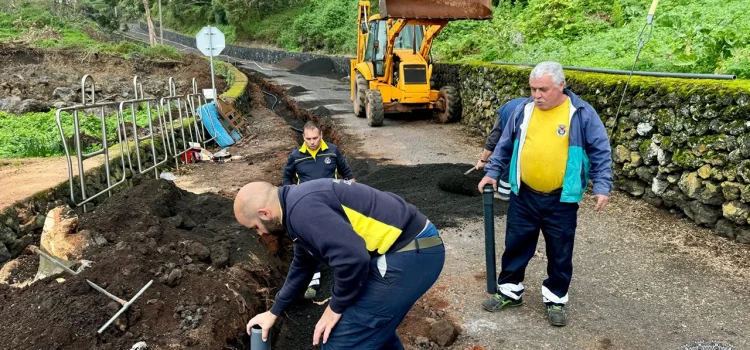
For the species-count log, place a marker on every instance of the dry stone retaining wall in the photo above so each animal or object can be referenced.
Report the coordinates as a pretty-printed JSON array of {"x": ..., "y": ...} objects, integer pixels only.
[{"x": 682, "y": 144}]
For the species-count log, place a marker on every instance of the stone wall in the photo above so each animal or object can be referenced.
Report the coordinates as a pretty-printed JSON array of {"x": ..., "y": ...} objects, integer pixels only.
[
  {"x": 341, "y": 64},
  {"x": 682, "y": 144}
]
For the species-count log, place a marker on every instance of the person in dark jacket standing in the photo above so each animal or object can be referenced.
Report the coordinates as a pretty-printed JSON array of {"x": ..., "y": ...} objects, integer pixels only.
[
  {"x": 385, "y": 254},
  {"x": 316, "y": 159},
  {"x": 554, "y": 143},
  {"x": 503, "y": 114}
]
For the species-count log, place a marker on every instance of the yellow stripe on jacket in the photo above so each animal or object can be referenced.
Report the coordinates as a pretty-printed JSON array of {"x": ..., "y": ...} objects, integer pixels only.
[{"x": 378, "y": 236}]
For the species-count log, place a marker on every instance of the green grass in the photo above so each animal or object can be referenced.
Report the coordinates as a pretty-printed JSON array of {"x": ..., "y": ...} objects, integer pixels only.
[
  {"x": 40, "y": 27},
  {"x": 37, "y": 134}
]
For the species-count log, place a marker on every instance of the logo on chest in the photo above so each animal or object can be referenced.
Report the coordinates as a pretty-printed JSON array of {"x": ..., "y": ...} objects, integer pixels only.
[
  {"x": 562, "y": 129},
  {"x": 327, "y": 160}
]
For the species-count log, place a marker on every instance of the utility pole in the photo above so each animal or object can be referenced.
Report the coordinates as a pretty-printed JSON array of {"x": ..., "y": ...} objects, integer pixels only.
[{"x": 161, "y": 25}]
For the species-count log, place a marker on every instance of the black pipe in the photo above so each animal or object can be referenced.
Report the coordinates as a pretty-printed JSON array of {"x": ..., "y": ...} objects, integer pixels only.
[
  {"x": 488, "y": 194},
  {"x": 626, "y": 72}
]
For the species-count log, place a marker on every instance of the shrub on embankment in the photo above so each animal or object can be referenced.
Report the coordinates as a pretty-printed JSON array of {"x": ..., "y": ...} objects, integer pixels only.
[{"x": 682, "y": 144}]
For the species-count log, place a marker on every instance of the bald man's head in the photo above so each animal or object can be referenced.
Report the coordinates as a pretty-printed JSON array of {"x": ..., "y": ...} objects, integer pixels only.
[{"x": 257, "y": 207}]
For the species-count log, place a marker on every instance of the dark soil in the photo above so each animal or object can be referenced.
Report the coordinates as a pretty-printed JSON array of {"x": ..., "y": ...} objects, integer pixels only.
[
  {"x": 289, "y": 63},
  {"x": 27, "y": 268},
  {"x": 425, "y": 186},
  {"x": 316, "y": 66},
  {"x": 210, "y": 276}
]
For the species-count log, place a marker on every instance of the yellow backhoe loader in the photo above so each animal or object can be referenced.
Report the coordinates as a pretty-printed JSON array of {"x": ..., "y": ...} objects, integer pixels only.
[{"x": 393, "y": 68}]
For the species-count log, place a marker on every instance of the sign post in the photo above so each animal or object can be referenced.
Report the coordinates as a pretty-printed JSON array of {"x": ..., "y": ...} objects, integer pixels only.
[{"x": 210, "y": 41}]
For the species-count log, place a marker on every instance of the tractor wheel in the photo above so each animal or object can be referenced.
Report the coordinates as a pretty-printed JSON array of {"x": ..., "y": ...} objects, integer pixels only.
[
  {"x": 374, "y": 108},
  {"x": 361, "y": 86},
  {"x": 450, "y": 101}
]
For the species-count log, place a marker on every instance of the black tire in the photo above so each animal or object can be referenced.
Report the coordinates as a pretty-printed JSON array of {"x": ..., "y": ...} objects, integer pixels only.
[
  {"x": 451, "y": 99},
  {"x": 360, "y": 103},
  {"x": 374, "y": 108}
]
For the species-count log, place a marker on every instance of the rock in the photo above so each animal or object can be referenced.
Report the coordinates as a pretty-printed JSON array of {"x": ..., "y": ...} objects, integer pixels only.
[
  {"x": 651, "y": 153},
  {"x": 743, "y": 236},
  {"x": 59, "y": 105},
  {"x": 122, "y": 246},
  {"x": 622, "y": 154},
  {"x": 421, "y": 341},
  {"x": 4, "y": 253},
  {"x": 198, "y": 251},
  {"x": 174, "y": 221},
  {"x": 663, "y": 157},
  {"x": 736, "y": 211},
  {"x": 28, "y": 106},
  {"x": 673, "y": 197},
  {"x": 710, "y": 193},
  {"x": 658, "y": 186},
  {"x": 673, "y": 178},
  {"x": 635, "y": 159},
  {"x": 19, "y": 245},
  {"x": 219, "y": 256},
  {"x": 65, "y": 94},
  {"x": 725, "y": 228},
  {"x": 652, "y": 198},
  {"x": 188, "y": 223},
  {"x": 743, "y": 170},
  {"x": 702, "y": 214},
  {"x": 36, "y": 223},
  {"x": 59, "y": 237},
  {"x": 704, "y": 172},
  {"x": 174, "y": 278},
  {"x": 645, "y": 174},
  {"x": 731, "y": 190},
  {"x": 7, "y": 236},
  {"x": 644, "y": 129},
  {"x": 633, "y": 187},
  {"x": 8, "y": 269},
  {"x": 430, "y": 320},
  {"x": 443, "y": 333},
  {"x": 690, "y": 183}
]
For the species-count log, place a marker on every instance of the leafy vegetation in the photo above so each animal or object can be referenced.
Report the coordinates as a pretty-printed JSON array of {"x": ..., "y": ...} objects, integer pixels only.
[
  {"x": 39, "y": 26},
  {"x": 37, "y": 134},
  {"x": 700, "y": 36}
]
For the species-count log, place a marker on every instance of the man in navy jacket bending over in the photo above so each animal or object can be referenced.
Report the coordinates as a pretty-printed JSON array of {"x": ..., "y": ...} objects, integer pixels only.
[{"x": 384, "y": 254}]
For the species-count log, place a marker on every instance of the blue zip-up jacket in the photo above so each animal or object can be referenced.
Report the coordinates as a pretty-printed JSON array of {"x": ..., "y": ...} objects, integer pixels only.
[
  {"x": 305, "y": 167},
  {"x": 503, "y": 114},
  {"x": 589, "y": 152},
  {"x": 344, "y": 225}
]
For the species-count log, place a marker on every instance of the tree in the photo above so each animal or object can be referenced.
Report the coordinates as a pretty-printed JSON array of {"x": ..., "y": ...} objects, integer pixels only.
[{"x": 151, "y": 31}]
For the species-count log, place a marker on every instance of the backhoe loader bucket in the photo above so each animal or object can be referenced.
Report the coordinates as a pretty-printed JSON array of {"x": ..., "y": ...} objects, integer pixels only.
[{"x": 436, "y": 9}]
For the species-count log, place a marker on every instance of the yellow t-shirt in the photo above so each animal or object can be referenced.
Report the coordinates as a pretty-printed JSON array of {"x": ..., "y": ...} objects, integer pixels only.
[{"x": 545, "y": 150}]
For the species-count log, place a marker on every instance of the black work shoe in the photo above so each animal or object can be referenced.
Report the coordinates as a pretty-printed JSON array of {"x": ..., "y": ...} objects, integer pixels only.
[
  {"x": 499, "y": 301},
  {"x": 556, "y": 315}
]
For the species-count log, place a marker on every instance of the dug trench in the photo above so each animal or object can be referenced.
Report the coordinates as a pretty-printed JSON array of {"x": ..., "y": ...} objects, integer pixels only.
[
  {"x": 210, "y": 274},
  {"x": 441, "y": 191}
]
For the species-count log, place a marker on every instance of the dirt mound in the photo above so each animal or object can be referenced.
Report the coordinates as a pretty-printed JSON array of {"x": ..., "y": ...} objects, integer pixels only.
[
  {"x": 35, "y": 79},
  {"x": 317, "y": 66},
  {"x": 458, "y": 183},
  {"x": 210, "y": 276},
  {"x": 295, "y": 90},
  {"x": 425, "y": 187},
  {"x": 289, "y": 63}
]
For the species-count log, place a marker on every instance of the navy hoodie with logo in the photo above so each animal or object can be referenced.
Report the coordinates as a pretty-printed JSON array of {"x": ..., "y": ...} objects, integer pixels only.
[{"x": 344, "y": 225}]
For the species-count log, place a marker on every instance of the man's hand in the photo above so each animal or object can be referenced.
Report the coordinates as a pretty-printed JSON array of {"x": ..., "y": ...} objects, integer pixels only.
[
  {"x": 601, "y": 201},
  {"x": 325, "y": 325},
  {"x": 480, "y": 164},
  {"x": 264, "y": 320},
  {"x": 487, "y": 180},
  {"x": 352, "y": 180}
]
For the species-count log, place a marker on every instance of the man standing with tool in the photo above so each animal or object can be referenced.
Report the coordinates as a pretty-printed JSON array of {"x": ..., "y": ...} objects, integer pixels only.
[
  {"x": 315, "y": 160},
  {"x": 553, "y": 144},
  {"x": 384, "y": 253},
  {"x": 503, "y": 114}
]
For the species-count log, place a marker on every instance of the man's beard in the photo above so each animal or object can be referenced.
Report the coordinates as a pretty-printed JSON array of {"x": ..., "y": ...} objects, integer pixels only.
[{"x": 274, "y": 227}]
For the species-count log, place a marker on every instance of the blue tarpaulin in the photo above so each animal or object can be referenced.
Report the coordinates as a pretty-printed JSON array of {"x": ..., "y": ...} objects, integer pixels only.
[{"x": 215, "y": 126}]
